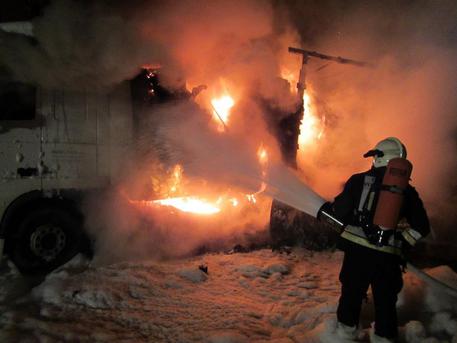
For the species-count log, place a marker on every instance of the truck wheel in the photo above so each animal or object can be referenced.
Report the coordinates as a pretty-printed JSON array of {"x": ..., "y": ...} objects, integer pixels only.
[{"x": 45, "y": 238}]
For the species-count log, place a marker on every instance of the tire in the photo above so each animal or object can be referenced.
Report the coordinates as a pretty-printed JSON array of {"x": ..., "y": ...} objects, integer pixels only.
[{"x": 46, "y": 238}]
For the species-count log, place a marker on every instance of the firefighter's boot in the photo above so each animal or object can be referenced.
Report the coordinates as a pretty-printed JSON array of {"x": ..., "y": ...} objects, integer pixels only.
[
  {"x": 378, "y": 339},
  {"x": 346, "y": 333},
  {"x": 374, "y": 338}
]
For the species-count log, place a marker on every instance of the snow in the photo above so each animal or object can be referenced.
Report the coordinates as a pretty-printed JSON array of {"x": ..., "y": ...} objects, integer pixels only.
[
  {"x": 437, "y": 301},
  {"x": 193, "y": 275},
  {"x": 414, "y": 332},
  {"x": 227, "y": 337},
  {"x": 261, "y": 296},
  {"x": 443, "y": 323}
]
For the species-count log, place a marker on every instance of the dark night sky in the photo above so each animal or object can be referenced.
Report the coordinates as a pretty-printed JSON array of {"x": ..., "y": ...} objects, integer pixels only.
[{"x": 17, "y": 10}]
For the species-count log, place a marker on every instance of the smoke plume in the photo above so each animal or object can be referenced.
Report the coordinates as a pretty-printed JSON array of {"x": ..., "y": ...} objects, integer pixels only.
[
  {"x": 241, "y": 47},
  {"x": 410, "y": 93}
]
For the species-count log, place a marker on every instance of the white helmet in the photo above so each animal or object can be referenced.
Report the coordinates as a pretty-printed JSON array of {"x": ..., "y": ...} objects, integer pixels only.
[{"x": 386, "y": 150}]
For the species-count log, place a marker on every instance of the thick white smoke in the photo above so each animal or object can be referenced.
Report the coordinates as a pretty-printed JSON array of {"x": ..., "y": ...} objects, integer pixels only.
[{"x": 240, "y": 45}]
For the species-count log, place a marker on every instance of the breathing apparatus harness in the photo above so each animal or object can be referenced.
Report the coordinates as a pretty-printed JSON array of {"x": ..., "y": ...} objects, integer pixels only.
[
  {"x": 380, "y": 223},
  {"x": 381, "y": 201},
  {"x": 364, "y": 213}
]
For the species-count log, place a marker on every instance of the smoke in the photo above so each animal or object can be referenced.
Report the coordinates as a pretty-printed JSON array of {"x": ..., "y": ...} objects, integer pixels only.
[
  {"x": 128, "y": 232},
  {"x": 78, "y": 46},
  {"x": 410, "y": 93},
  {"x": 230, "y": 46},
  {"x": 214, "y": 164},
  {"x": 240, "y": 47},
  {"x": 185, "y": 136},
  {"x": 96, "y": 45}
]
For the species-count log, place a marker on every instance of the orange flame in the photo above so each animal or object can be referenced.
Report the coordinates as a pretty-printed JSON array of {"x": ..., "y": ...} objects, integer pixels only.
[
  {"x": 310, "y": 126},
  {"x": 199, "y": 205},
  {"x": 189, "y": 204},
  {"x": 176, "y": 178},
  {"x": 291, "y": 77},
  {"x": 221, "y": 110},
  {"x": 175, "y": 193}
]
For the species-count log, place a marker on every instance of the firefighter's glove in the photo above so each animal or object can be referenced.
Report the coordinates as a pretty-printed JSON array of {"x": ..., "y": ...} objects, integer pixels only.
[{"x": 405, "y": 244}]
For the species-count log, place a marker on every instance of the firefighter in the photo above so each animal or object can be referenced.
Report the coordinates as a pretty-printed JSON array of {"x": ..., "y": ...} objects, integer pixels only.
[{"x": 372, "y": 255}]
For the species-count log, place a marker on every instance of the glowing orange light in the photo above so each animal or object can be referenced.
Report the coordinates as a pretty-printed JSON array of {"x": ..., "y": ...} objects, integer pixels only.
[
  {"x": 308, "y": 123},
  {"x": 310, "y": 127},
  {"x": 291, "y": 77},
  {"x": 262, "y": 155},
  {"x": 234, "y": 202},
  {"x": 176, "y": 178},
  {"x": 176, "y": 192},
  {"x": 221, "y": 110},
  {"x": 251, "y": 198},
  {"x": 189, "y": 204}
]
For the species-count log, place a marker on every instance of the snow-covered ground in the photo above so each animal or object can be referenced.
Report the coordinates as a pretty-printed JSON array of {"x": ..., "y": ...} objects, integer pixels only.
[{"x": 261, "y": 296}]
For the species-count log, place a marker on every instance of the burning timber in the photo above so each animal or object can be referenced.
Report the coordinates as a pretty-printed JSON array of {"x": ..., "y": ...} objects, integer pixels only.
[{"x": 287, "y": 225}]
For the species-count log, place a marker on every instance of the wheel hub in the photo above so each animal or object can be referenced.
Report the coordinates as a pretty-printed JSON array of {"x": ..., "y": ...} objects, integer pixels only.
[{"x": 47, "y": 241}]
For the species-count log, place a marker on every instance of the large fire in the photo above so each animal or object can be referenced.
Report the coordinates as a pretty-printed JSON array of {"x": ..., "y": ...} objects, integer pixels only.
[
  {"x": 174, "y": 191},
  {"x": 177, "y": 194},
  {"x": 201, "y": 205}
]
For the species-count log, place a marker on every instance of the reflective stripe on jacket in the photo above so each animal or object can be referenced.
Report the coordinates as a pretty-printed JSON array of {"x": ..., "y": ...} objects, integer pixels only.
[
  {"x": 356, "y": 235},
  {"x": 346, "y": 204}
]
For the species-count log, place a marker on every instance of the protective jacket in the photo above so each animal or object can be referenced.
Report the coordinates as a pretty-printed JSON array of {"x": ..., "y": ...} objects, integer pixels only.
[
  {"x": 347, "y": 207},
  {"x": 367, "y": 264}
]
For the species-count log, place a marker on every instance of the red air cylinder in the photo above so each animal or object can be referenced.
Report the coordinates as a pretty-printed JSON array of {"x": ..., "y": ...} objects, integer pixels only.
[{"x": 391, "y": 196}]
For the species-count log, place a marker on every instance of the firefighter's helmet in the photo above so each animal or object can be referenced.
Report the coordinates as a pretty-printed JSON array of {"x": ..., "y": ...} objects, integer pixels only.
[{"x": 386, "y": 150}]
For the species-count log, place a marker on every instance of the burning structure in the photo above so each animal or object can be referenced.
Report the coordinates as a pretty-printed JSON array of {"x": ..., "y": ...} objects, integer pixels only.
[
  {"x": 83, "y": 161},
  {"x": 205, "y": 127}
]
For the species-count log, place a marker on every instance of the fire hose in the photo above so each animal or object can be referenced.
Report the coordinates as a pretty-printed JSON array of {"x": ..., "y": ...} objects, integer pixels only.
[{"x": 431, "y": 281}]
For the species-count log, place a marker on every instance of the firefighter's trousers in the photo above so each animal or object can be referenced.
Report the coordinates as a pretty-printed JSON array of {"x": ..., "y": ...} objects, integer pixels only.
[{"x": 361, "y": 268}]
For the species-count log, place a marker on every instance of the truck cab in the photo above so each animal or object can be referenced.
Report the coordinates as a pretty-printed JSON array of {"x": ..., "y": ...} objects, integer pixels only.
[{"x": 56, "y": 147}]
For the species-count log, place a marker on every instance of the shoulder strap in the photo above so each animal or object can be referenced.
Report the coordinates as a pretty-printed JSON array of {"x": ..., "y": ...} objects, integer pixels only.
[{"x": 368, "y": 182}]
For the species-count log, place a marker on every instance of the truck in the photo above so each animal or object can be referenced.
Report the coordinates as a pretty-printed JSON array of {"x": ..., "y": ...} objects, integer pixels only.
[{"x": 56, "y": 147}]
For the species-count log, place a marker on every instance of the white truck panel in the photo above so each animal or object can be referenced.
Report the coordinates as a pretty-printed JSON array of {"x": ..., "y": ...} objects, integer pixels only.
[
  {"x": 68, "y": 118},
  {"x": 19, "y": 154},
  {"x": 78, "y": 141},
  {"x": 67, "y": 160}
]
